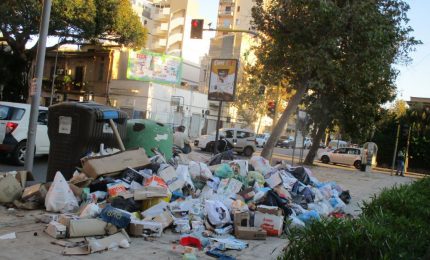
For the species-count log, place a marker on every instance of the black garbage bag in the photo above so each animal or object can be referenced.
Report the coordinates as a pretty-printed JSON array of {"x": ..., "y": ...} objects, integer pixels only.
[
  {"x": 101, "y": 184},
  {"x": 303, "y": 191},
  {"x": 129, "y": 204},
  {"x": 216, "y": 159},
  {"x": 345, "y": 196},
  {"x": 273, "y": 199},
  {"x": 300, "y": 174}
]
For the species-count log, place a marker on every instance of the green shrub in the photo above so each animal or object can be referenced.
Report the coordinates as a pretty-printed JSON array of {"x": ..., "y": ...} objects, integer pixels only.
[{"x": 394, "y": 225}]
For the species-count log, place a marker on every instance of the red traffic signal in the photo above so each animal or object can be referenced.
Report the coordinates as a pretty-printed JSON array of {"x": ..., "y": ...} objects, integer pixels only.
[{"x": 196, "y": 28}]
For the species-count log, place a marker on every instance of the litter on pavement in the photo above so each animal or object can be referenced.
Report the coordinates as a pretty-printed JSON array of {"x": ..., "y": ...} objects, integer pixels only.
[{"x": 213, "y": 204}]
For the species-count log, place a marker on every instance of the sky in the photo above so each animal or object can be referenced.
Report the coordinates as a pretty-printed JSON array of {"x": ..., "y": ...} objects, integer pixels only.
[{"x": 414, "y": 78}]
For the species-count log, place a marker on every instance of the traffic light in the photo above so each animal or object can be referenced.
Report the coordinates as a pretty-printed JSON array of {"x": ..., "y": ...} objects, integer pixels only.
[
  {"x": 271, "y": 108},
  {"x": 196, "y": 28}
]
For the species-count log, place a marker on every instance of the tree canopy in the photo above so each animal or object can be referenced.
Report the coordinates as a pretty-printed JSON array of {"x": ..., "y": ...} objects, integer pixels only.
[
  {"x": 338, "y": 55},
  {"x": 72, "y": 21}
]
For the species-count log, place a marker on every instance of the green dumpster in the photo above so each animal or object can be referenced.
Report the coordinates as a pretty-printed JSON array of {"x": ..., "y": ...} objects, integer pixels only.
[{"x": 149, "y": 135}]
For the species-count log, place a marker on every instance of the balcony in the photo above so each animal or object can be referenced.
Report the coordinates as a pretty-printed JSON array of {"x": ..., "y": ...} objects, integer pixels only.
[
  {"x": 159, "y": 44},
  {"x": 161, "y": 30},
  {"x": 176, "y": 22},
  {"x": 225, "y": 13},
  {"x": 161, "y": 14},
  {"x": 174, "y": 38},
  {"x": 227, "y": 2},
  {"x": 225, "y": 26}
]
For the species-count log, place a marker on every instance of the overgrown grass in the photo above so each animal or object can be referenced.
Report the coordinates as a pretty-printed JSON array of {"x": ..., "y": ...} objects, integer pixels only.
[{"x": 394, "y": 225}]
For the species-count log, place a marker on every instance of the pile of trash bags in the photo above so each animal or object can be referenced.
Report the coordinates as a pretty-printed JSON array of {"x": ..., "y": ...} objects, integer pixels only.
[{"x": 213, "y": 205}]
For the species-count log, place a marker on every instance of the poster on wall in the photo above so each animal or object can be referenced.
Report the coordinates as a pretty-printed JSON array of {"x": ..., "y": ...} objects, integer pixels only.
[
  {"x": 222, "y": 82},
  {"x": 156, "y": 67}
]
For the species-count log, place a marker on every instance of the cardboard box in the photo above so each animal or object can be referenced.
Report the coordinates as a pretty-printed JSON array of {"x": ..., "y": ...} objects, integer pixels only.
[
  {"x": 165, "y": 219},
  {"x": 150, "y": 192},
  {"x": 145, "y": 228},
  {"x": 250, "y": 233},
  {"x": 273, "y": 179},
  {"x": 56, "y": 230},
  {"x": 168, "y": 174},
  {"x": 36, "y": 192},
  {"x": 229, "y": 186},
  {"x": 241, "y": 219},
  {"x": 87, "y": 227},
  {"x": 115, "y": 163},
  {"x": 65, "y": 219},
  {"x": 97, "y": 245},
  {"x": 270, "y": 210},
  {"x": 273, "y": 224}
]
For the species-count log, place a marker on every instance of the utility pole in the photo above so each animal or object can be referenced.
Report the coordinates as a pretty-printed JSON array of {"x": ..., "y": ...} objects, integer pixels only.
[
  {"x": 36, "y": 85},
  {"x": 407, "y": 148},
  {"x": 395, "y": 149}
]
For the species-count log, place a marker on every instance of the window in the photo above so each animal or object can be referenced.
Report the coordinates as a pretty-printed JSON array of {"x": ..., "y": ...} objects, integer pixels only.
[
  {"x": 227, "y": 23},
  {"x": 227, "y": 9},
  {"x": 42, "y": 119},
  {"x": 145, "y": 22},
  {"x": 79, "y": 74},
  {"x": 238, "y": 8},
  {"x": 242, "y": 134},
  {"x": 237, "y": 21},
  {"x": 101, "y": 70},
  {"x": 341, "y": 150},
  {"x": 229, "y": 134},
  {"x": 353, "y": 151},
  {"x": 11, "y": 113}
]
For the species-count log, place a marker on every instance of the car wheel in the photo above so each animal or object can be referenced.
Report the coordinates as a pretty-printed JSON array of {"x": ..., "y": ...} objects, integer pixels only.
[
  {"x": 18, "y": 155},
  {"x": 248, "y": 151},
  {"x": 357, "y": 164},
  {"x": 325, "y": 159}
]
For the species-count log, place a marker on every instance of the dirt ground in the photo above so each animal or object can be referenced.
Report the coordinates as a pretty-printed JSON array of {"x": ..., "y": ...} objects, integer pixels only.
[{"x": 32, "y": 243}]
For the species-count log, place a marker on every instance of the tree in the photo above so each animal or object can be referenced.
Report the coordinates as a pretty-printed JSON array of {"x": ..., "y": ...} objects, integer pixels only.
[
  {"x": 72, "y": 21},
  {"x": 323, "y": 47}
]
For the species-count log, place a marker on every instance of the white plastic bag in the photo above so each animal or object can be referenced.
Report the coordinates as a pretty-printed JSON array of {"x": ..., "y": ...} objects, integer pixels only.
[
  {"x": 183, "y": 174},
  {"x": 60, "y": 197},
  {"x": 218, "y": 213},
  {"x": 199, "y": 171},
  {"x": 91, "y": 210},
  {"x": 296, "y": 222},
  {"x": 260, "y": 164}
]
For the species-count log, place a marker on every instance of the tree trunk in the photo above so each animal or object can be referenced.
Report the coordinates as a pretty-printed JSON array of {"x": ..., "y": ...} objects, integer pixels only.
[
  {"x": 277, "y": 131},
  {"x": 309, "y": 160}
]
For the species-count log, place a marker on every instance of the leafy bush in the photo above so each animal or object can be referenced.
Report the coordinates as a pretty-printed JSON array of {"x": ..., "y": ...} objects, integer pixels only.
[{"x": 394, "y": 225}]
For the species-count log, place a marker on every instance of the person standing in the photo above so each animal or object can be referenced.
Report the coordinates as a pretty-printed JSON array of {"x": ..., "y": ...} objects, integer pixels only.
[
  {"x": 180, "y": 139},
  {"x": 400, "y": 164}
]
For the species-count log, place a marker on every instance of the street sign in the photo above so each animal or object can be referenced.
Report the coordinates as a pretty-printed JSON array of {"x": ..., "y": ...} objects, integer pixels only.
[{"x": 222, "y": 81}]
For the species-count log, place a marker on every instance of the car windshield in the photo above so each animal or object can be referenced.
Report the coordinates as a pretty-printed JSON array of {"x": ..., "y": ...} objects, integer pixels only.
[{"x": 11, "y": 113}]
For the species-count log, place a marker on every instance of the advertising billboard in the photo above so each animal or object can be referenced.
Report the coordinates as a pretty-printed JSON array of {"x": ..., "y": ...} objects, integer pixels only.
[
  {"x": 222, "y": 81},
  {"x": 155, "y": 67}
]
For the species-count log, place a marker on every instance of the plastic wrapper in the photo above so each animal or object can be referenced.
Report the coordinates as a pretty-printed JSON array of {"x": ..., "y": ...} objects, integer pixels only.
[
  {"x": 115, "y": 216},
  {"x": 255, "y": 177},
  {"x": 311, "y": 215},
  {"x": 337, "y": 204},
  {"x": 288, "y": 180},
  {"x": 296, "y": 222}
]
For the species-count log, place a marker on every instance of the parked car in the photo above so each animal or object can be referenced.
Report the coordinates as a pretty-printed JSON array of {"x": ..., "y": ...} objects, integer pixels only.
[
  {"x": 14, "y": 123},
  {"x": 289, "y": 143},
  {"x": 345, "y": 155},
  {"x": 242, "y": 140},
  {"x": 282, "y": 139},
  {"x": 262, "y": 139}
]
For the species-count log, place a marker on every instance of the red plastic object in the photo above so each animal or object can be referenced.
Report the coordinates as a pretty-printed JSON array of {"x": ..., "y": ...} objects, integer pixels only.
[{"x": 191, "y": 241}]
